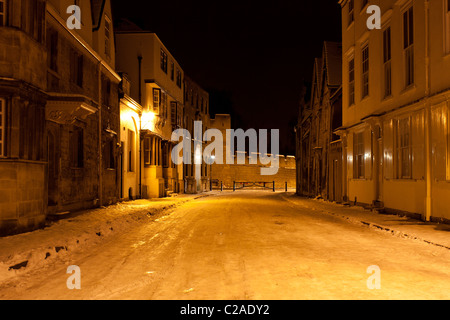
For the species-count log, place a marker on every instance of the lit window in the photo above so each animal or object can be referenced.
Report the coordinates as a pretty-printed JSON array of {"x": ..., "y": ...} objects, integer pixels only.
[
  {"x": 2, "y": 127},
  {"x": 365, "y": 70},
  {"x": 408, "y": 46},
  {"x": 358, "y": 155},
  {"x": 404, "y": 149},
  {"x": 131, "y": 142}
]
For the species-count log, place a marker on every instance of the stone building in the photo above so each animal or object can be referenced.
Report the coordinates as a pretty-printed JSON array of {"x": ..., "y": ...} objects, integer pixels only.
[
  {"x": 157, "y": 85},
  {"x": 59, "y": 111},
  {"x": 396, "y": 95},
  {"x": 319, "y": 151},
  {"x": 196, "y": 108}
]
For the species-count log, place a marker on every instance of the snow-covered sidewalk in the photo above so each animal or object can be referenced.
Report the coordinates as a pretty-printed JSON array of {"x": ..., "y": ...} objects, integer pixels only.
[
  {"x": 402, "y": 226},
  {"x": 78, "y": 231}
]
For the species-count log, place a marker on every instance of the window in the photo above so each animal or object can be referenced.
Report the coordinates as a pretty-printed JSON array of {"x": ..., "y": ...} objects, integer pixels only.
[
  {"x": 156, "y": 100},
  {"x": 147, "y": 151},
  {"x": 76, "y": 68},
  {"x": 172, "y": 71},
  {"x": 387, "y": 62},
  {"x": 179, "y": 80},
  {"x": 447, "y": 25},
  {"x": 351, "y": 10},
  {"x": 163, "y": 61},
  {"x": 52, "y": 48},
  {"x": 76, "y": 147},
  {"x": 404, "y": 149},
  {"x": 351, "y": 77},
  {"x": 358, "y": 155},
  {"x": 173, "y": 114},
  {"x": 131, "y": 143},
  {"x": 3, "y": 13},
  {"x": 365, "y": 71},
  {"x": 2, "y": 127},
  {"x": 109, "y": 154},
  {"x": 408, "y": 46},
  {"x": 106, "y": 92},
  {"x": 107, "y": 36}
]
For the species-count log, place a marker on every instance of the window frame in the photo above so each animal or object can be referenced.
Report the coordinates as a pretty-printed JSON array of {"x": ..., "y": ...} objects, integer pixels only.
[
  {"x": 359, "y": 169},
  {"x": 351, "y": 12},
  {"x": 408, "y": 45},
  {"x": 403, "y": 149},
  {"x": 351, "y": 81},
  {"x": 107, "y": 29},
  {"x": 4, "y": 13},
  {"x": 163, "y": 60},
  {"x": 365, "y": 68},
  {"x": 387, "y": 61}
]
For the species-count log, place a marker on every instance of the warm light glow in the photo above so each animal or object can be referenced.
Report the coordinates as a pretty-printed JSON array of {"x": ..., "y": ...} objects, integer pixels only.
[{"x": 148, "y": 121}]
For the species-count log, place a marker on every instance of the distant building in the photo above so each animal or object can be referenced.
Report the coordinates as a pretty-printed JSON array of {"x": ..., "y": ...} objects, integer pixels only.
[
  {"x": 59, "y": 111},
  {"x": 396, "y": 93},
  {"x": 319, "y": 151},
  {"x": 196, "y": 108},
  {"x": 234, "y": 175}
]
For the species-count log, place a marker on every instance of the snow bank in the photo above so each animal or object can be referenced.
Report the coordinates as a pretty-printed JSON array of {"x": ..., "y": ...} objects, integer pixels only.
[{"x": 26, "y": 252}]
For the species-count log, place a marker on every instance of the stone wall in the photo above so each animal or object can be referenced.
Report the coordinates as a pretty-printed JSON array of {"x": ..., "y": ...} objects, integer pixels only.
[{"x": 226, "y": 174}]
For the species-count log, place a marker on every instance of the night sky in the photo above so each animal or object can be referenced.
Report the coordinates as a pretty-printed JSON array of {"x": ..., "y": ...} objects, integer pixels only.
[{"x": 252, "y": 57}]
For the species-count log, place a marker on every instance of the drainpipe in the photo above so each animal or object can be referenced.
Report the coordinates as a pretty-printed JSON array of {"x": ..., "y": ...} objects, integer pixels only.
[
  {"x": 100, "y": 154},
  {"x": 429, "y": 182},
  {"x": 140, "y": 125}
]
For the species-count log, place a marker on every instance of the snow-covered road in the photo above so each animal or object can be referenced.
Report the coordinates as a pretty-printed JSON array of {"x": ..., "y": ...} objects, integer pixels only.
[{"x": 244, "y": 245}]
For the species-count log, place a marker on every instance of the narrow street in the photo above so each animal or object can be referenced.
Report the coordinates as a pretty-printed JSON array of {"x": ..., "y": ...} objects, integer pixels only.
[{"x": 245, "y": 245}]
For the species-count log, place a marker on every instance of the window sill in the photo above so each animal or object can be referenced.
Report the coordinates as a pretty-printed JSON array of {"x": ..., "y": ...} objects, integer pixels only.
[{"x": 409, "y": 88}]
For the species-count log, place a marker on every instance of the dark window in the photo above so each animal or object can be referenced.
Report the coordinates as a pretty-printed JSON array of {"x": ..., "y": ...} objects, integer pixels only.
[
  {"x": 351, "y": 76},
  {"x": 76, "y": 147},
  {"x": 3, "y": 13},
  {"x": 76, "y": 68},
  {"x": 109, "y": 154},
  {"x": 408, "y": 45},
  {"x": 351, "y": 9},
  {"x": 2, "y": 127},
  {"x": 179, "y": 80},
  {"x": 107, "y": 37},
  {"x": 365, "y": 71},
  {"x": 163, "y": 61},
  {"x": 387, "y": 62},
  {"x": 52, "y": 49}
]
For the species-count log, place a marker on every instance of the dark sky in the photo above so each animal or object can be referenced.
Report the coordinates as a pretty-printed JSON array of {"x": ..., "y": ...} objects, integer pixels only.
[{"x": 251, "y": 56}]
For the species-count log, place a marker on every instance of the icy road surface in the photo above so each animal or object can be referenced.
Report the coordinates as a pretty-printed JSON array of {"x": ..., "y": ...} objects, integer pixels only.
[{"x": 245, "y": 245}]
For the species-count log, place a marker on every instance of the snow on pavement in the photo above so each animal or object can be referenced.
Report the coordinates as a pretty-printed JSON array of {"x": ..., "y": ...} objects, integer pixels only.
[{"x": 77, "y": 231}]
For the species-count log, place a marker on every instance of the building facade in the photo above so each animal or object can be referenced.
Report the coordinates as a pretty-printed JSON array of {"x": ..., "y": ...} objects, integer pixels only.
[
  {"x": 395, "y": 106},
  {"x": 319, "y": 151},
  {"x": 157, "y": 85},
  {"x": 59, "y": 111}
]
